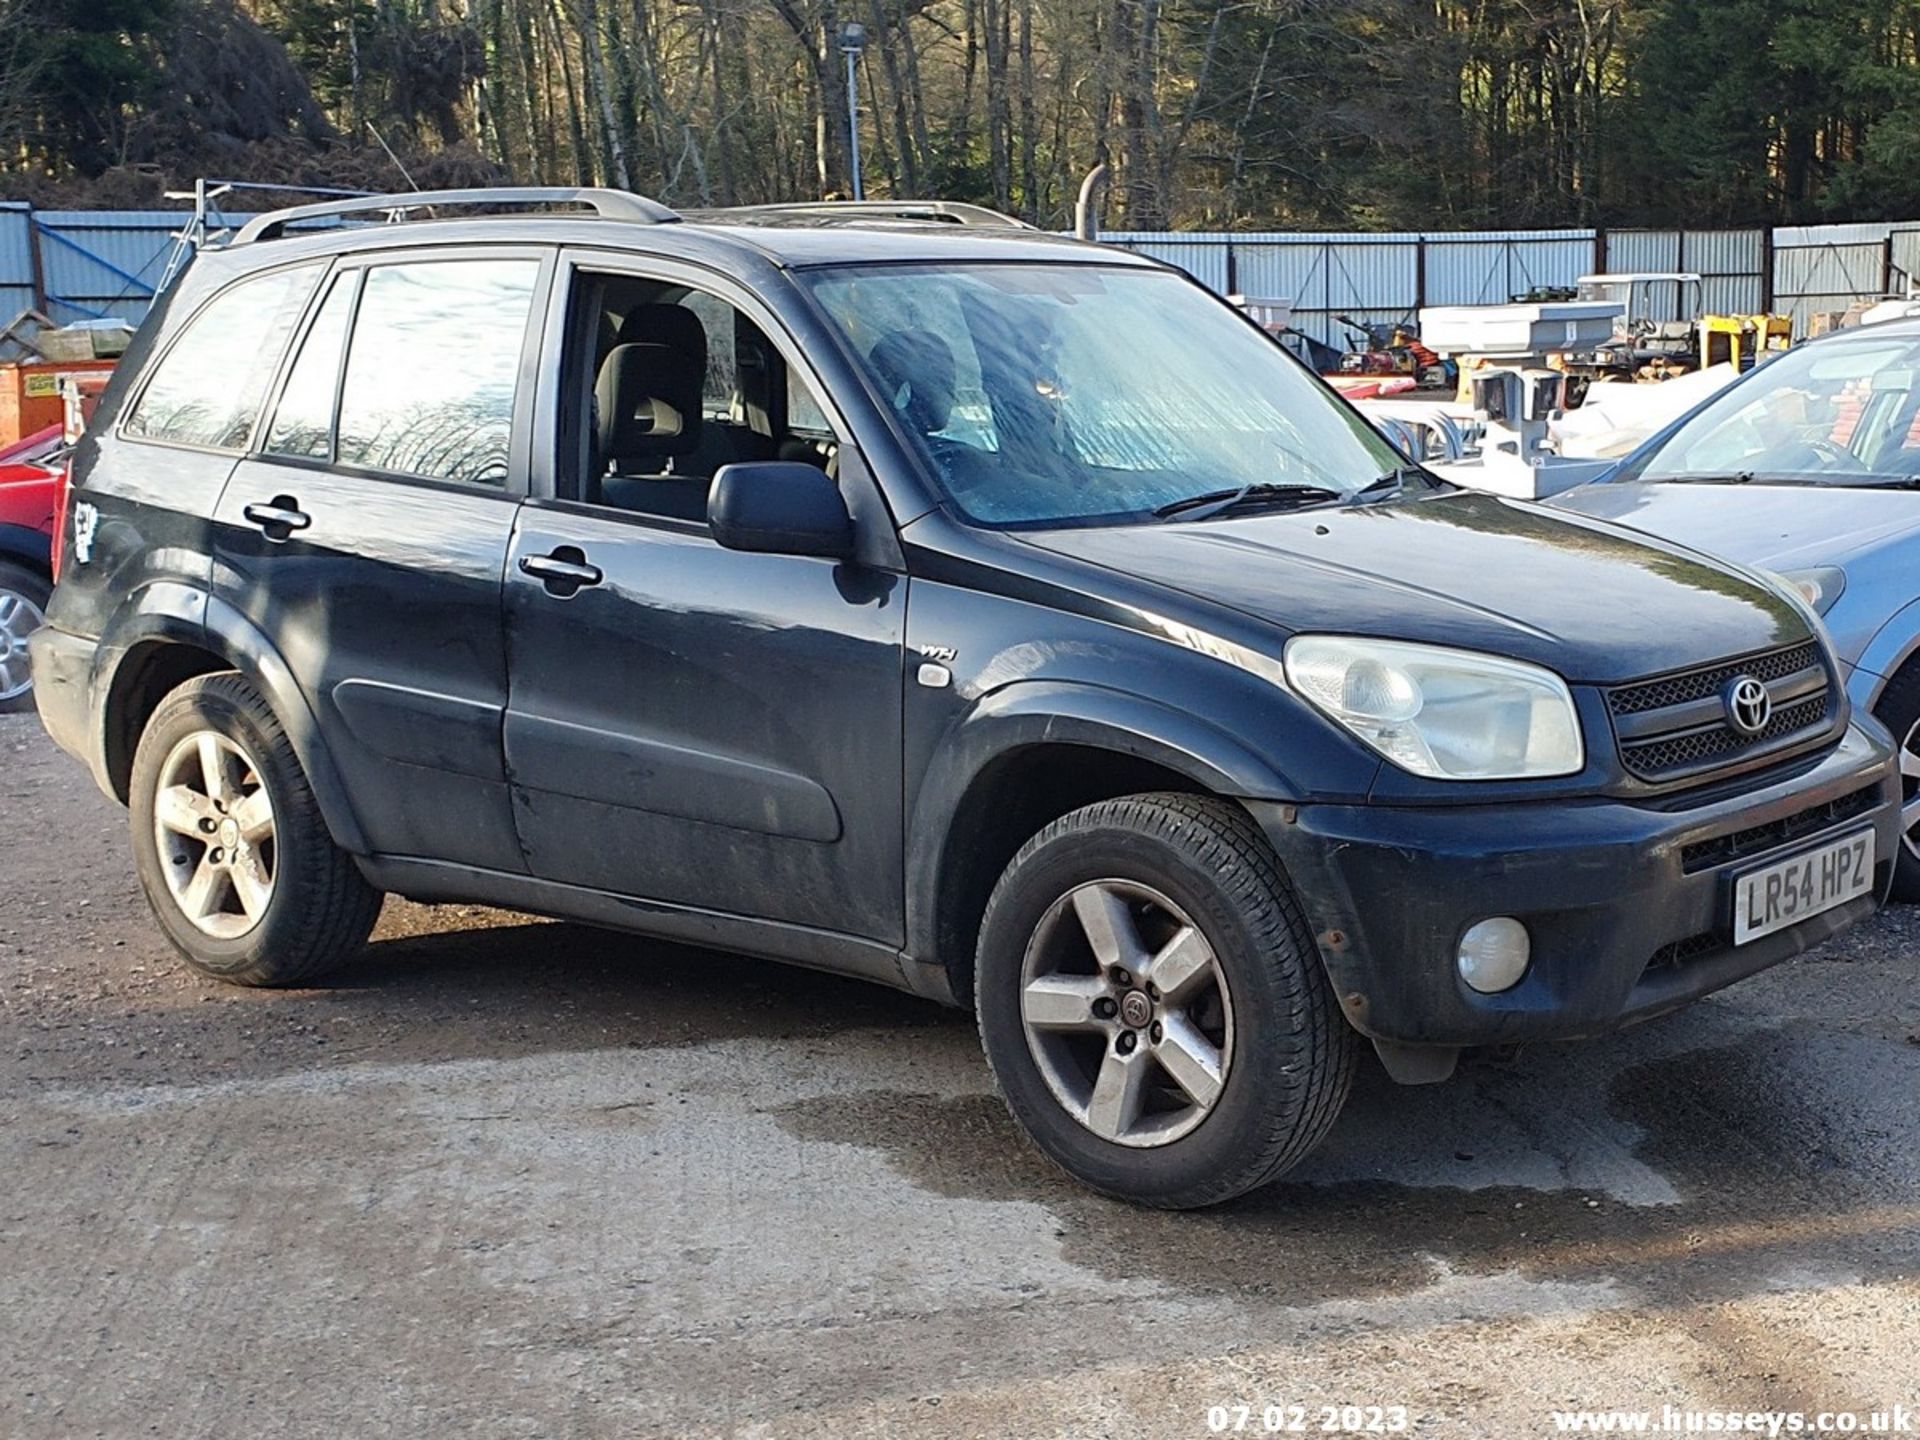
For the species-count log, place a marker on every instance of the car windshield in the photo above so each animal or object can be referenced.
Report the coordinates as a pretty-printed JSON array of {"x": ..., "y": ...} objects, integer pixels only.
[
  {"x": 1839, "y": 413},
  {"x": 1075, "y": 394}
]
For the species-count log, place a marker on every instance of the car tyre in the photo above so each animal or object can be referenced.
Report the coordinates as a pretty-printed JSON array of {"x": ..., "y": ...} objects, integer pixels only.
[
  {"x": 1174, "y": 1095},
  {"x": 1899, "y": 711},
  {"x": 23, "y": 606},
  {"x": 230, "y": 846}
]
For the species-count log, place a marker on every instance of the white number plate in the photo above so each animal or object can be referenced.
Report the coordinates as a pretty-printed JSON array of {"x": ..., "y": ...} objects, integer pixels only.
[{"x": 1789, "y": 891}]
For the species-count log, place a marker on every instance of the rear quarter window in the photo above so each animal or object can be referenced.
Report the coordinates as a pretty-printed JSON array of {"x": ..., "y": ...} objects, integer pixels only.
[{"x": 207, "y": 388}]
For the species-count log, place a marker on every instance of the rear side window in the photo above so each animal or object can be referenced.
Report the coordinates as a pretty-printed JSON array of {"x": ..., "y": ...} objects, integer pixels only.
[
  {"x": 432, "y": 368},
  {"x": 303, "y": 420},
  {"x": 208, "y": 387}
]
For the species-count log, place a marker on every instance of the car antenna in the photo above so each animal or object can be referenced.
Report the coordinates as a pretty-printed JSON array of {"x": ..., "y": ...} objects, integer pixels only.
[{"x": 374, "y": 131}]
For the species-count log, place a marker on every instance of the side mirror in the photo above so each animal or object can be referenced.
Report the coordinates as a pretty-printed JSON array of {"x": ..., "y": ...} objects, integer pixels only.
[{"x": 779, "y": 507}]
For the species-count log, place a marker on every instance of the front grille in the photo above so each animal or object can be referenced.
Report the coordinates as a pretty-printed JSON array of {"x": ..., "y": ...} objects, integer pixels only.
[
  {"x": 1676, "y": 727},
  {"x": 1756, "y": 840},
  {"x": 1682, "y": 952},
  {"x": 1700, "y": 684},
  {"x": 1702, "y": 749}
]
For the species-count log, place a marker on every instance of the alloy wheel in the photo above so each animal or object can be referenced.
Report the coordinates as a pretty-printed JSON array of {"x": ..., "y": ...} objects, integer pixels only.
[
  {"x": 213, "y": 823},
  {"x": 19, "y": 618},
  {"x": 1127, "y": 1013}
]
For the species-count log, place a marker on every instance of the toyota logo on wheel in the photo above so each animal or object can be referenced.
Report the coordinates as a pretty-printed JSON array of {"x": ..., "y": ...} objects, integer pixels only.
[{"x": 1749, "y": 705}]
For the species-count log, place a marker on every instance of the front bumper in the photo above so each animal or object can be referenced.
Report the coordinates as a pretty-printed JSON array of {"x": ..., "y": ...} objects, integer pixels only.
[{"x": 1630, "y": 908}]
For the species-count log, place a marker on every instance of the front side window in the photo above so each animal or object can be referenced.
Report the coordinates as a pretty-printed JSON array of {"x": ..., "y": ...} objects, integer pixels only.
[
  {"x": 1843, "y": 412},
  {"x": 208, "y": 388},
  {"x": 432, "y": 368},
  {"x": 672, "y": 384},
  {"x": 1075, "y": 394}
]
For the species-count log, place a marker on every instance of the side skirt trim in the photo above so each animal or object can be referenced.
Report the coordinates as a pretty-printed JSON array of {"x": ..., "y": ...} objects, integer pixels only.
[{"x": 437, "y": 882}]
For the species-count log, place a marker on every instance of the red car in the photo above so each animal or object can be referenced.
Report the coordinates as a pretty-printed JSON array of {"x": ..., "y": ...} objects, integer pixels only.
[{"x": 30, "y": 475}]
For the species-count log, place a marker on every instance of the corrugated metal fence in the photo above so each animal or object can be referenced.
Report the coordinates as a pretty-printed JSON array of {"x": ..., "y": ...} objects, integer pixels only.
[
  {"x": 1371, "y": 278},
  {"x": 82, "y": 264},
  {"x": 100, "y": 263},
  {"x": 74, "y": 264},
  {"x": 1387, "y": 278}
]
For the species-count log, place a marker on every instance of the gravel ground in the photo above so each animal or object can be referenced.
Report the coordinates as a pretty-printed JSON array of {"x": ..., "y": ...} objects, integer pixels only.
[{"x": 505, "y": 1177}]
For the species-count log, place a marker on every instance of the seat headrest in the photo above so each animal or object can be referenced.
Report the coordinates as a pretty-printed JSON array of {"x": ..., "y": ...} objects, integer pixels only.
[
  {"x": 647, "y": 402},
  {"x": 917, "y": 378},
  {"x": 674, "y": 326},
  {"x": 760, "y": 376}
]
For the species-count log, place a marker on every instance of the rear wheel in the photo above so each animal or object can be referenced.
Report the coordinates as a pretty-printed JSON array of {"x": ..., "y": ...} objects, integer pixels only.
[
  {"x": 231, "y": 849},
  {"x": 23, "y": 609},
  {"x": 1153, "y": 1007},
  {"x": 1899, "y": 711}
]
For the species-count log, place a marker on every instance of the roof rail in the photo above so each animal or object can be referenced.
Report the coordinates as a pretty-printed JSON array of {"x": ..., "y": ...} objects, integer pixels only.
[
  {"x": 830, "y": 212},
  {"x": 607, "y": 204}
]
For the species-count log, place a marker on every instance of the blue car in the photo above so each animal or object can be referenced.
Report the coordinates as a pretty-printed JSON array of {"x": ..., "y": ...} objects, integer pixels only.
[{"x": 1809, "y": 467}]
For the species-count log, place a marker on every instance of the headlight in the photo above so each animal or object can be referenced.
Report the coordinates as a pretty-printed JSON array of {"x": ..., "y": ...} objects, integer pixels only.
[
  {"x": 1819, "y": 586},
  {"x": 1447, "y": 714}
]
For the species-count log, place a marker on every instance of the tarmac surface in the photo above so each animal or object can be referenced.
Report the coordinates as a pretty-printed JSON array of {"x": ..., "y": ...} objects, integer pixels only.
[{"x": 506, "y": 1177}]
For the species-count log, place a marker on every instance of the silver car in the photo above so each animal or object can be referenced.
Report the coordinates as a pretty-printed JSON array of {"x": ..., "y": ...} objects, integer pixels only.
[{"x": 1809, "y": 467}]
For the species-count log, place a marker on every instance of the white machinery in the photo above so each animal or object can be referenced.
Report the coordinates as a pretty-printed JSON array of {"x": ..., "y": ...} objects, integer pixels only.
[
  {"x": 1647, "y": 297},
  {"x": 1273, "y": 316},
  {"x": 1430, "y": 432},
  {"x": 1503, "y": 352},
  {"x": 1517, "y": 405},
  {"x": 1516, "y": 334}
]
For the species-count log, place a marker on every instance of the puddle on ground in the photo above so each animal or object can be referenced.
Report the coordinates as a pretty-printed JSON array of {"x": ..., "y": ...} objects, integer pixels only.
[{"x": 1766, "y": 1180}]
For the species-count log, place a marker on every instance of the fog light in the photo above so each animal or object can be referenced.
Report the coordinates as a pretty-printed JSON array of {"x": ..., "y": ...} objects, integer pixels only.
[{"x": 1494, "y": 954}]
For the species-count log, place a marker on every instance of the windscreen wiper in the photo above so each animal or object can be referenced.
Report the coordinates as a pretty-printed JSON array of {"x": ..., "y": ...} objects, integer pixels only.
[
  {"x": 1877, "y": 482},
  {"x": 1387, "y": 486},
  {"x": 1215, "y": 502},
  {"x": 1834, "y": 480}
]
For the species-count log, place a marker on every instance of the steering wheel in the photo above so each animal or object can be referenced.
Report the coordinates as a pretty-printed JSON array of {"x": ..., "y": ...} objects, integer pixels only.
[{"x": 1837, "y": 456}]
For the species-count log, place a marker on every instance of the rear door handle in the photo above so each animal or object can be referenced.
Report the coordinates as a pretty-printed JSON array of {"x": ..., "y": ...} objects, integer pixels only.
[
  {"x": 563, "y": 572},
  {"x": 280, "y": 518}
]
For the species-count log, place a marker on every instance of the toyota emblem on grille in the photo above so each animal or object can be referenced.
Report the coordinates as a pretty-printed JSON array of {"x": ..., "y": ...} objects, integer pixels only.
[{"x": 1749, "y": 706}]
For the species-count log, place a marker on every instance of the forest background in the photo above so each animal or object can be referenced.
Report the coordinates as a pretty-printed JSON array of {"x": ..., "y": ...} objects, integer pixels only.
[{"x": 1212, "y": 114}]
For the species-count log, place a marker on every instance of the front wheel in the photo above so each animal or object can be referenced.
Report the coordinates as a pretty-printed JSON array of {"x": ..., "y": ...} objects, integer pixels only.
[
  {"x": 236, "y": 860},
  {"x": 1152, "y": 1004},
  {"x": 1899, "y": 711}
]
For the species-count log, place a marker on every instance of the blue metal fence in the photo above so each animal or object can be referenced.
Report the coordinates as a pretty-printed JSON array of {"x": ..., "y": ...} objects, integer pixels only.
[{"x": 101, "y": 263}]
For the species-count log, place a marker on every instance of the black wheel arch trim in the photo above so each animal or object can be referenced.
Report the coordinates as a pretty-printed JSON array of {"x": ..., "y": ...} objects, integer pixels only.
[
  {"x": 1036, "y": 713},
  {"x": 168, "y": 612}
]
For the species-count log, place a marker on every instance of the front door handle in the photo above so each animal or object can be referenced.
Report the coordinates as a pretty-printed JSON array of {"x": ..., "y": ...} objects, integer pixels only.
[
  {"x": 280, "y": 518},
  {"x": 563, "y": 572}
]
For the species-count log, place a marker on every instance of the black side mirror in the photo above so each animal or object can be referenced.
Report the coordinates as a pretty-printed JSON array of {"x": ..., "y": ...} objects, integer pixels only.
[{"x": 779, "y": 507}]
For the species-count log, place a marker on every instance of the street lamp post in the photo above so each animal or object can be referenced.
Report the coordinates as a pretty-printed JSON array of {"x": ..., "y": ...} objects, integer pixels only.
[{"x": 853, "y": 41}]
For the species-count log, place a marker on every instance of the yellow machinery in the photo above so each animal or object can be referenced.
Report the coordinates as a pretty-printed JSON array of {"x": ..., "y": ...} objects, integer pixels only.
[{"x": 1742, "y": 340}]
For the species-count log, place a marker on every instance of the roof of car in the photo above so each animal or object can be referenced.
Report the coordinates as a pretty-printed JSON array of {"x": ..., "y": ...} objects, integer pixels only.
[
  {"x": 803, "y": 242},
  {"x": 818, "y": 233}
]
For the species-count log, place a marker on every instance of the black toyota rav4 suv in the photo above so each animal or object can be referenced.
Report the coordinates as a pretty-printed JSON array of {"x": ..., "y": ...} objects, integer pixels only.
[{"x": 935, "y": 601}]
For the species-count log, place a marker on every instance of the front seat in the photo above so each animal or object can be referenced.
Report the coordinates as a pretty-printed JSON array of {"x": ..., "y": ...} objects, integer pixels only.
[
  {"x": 647, "y": 415},
  {"x": 917, "y": 378}
]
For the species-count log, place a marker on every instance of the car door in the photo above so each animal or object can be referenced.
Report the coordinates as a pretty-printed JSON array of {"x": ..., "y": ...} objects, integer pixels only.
[
  {"x": 687, "y": 724},
  {"x": 147, "y": 479},
  {"x": 366, "y": 532}
]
